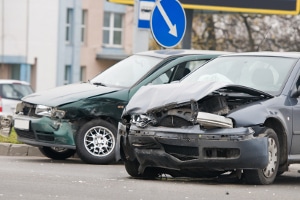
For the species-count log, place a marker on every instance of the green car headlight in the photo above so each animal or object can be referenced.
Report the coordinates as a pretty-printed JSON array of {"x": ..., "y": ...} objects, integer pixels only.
[{"x": 43, "y": 110}]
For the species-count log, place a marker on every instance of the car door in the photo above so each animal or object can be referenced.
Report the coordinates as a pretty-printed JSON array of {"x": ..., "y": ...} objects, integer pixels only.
[
  {"x": 173, "y": 71},
  {"x": 295, "y": 140}
]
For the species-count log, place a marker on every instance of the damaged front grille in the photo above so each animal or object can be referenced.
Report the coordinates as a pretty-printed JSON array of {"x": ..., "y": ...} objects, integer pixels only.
[
  {"x": 174, "y": 121},
  {"x": 175, "y": 118},
  {"x": 186, "y": 114},
  {"x": 25, "y": 134},
  {"x": 49, "y": 138},
  {"x": 42, "y": 136},
  {"x": 214, "y": 104},
  {"x": 221, "y": 152}
]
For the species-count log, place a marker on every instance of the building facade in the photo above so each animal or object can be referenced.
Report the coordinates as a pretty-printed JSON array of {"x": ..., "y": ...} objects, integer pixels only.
[{"x": 53, "y": 42}]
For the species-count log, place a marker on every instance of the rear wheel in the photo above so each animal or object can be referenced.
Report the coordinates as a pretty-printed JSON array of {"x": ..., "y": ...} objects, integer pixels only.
[
  {"x": 267, "y": 175},
  {"x": 57, "y": 153}
]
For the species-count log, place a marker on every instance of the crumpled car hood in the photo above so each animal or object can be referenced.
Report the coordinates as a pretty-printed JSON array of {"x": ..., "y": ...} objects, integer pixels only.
[
  {"x": 66, "y": 94},
  {"x": 153, "y": 97}
]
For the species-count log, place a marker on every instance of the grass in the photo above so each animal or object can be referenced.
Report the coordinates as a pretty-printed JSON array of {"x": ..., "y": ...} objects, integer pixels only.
[{"x": 11, "y": 139}]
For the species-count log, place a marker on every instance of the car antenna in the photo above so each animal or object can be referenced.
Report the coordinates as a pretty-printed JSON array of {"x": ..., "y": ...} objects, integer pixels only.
[{"x": 265, "y": 38}]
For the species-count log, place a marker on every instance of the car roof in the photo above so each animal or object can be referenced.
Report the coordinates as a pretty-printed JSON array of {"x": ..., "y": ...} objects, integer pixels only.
[
  {"x": 12, "y": 81},
  {"x": 267, "y": 53},
  {"x": 164, "y": 53}
]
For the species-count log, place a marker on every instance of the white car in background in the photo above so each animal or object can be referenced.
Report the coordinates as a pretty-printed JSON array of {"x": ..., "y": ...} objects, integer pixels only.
[{"x": 11, "y": 92}]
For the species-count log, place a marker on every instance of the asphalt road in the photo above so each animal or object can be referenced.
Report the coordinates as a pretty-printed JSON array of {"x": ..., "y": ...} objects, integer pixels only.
[{"x": 37, "y": 178}]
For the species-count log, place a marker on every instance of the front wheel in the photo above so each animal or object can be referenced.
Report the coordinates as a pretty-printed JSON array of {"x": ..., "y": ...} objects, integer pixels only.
[
  {"x": 57, "y": 153},
  {"x": 267, "y": 175},
  {"x": 96, "y": 142}
]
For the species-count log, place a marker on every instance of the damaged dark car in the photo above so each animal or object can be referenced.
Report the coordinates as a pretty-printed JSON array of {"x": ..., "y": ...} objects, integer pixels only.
[{"x": 238, "y": 114}]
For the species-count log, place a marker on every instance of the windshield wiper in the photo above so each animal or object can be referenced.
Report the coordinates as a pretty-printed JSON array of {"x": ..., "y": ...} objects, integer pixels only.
[{"x": 99, "y": 84}]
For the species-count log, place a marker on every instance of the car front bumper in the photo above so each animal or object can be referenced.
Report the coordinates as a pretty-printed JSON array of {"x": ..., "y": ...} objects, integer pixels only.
[
  {"x": 190, "y": 147},
  {"x": 44, "y": 131}
]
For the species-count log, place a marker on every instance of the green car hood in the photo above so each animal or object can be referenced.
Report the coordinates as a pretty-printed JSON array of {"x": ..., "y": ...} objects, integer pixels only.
[{"x": 67, "y": 94}]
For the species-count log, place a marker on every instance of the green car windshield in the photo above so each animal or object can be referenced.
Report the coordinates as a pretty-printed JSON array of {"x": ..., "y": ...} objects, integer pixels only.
[
  {"x": 264, "y": 73},
  {"x": 126, "y": 72}
]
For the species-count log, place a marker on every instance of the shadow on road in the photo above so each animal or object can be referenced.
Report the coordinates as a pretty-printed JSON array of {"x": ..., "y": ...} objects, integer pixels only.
[
  {"x": 67, "y": 161},
  {"x": 288, "y": 178}
]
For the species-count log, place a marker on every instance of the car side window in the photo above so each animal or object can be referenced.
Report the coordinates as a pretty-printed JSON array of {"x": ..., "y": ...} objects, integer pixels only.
[
  {"x": 8, "y": 92},
  {"x": 163, "y": 78},
  {"x": 173, "y": 74},
  {"x": 178, "y": 72},
  {"x": 185, "y": 68}
]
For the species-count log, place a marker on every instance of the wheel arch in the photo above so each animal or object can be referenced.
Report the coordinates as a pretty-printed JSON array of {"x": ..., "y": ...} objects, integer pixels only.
[
  {"x": 281, "y": 133},
  {"x": 102, "y": 117}
]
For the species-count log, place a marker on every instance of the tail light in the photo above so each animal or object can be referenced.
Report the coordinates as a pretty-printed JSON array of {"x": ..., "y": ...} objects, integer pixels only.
[{"x": 0, "y": 104}]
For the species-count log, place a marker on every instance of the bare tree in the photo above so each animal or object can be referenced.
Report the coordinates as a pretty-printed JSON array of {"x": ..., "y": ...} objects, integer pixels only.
[
  {"x": 205, "y": 26},
  {"x": 246, "y": 32}
]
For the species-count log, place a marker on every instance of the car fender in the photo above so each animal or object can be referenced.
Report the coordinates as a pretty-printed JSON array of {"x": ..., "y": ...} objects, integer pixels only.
[{"x": 257, "y": 114}]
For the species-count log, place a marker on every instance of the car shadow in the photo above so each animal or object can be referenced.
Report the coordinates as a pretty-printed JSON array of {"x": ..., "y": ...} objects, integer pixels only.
[
  {"x": 287, "y": 178},
  {"x": 67, "y": 161}
]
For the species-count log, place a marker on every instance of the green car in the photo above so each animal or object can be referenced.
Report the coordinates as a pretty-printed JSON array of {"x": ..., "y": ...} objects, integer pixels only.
[{"x": 82, "y": 118}]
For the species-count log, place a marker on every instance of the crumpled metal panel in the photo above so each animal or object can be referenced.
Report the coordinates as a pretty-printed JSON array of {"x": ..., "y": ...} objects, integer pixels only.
[{"x": 166, "y": 96}]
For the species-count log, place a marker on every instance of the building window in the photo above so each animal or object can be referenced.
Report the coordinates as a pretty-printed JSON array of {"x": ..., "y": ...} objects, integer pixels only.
[
  {"x": 83, "y": 26},
  {"x": 83, "y": 74},
  {"x": 69, "y": 27},
  {"x": 15, "y": 72},
  {"x": 67, "y": 74},
  {"x": 112, "y": 29}
]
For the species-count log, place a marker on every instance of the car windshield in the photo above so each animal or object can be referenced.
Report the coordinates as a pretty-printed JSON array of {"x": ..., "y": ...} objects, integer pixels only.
[
  {"x": 14, "y": 91},
  {"x": 264, "y": 73},
  {"x": 126, "y": 72}
]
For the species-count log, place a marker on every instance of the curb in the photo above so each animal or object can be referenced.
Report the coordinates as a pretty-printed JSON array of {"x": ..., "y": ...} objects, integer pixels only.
[{"x": 8, "y": 149}]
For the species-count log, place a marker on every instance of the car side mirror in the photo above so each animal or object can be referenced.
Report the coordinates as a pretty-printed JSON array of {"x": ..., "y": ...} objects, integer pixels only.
[{"x": 295, "y": 92}]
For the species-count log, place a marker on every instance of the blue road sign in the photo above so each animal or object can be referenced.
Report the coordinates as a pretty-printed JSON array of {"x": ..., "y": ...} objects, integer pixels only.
[{"x": 168, "y": 23}]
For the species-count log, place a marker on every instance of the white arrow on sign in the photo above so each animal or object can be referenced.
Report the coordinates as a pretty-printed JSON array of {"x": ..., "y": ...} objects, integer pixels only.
[{"x": 173, "y": 29}]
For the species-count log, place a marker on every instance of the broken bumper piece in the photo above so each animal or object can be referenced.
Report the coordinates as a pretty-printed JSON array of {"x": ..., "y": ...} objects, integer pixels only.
[
  {"x": 5, "y": 125},
  {"x": 183, "y": 148}
]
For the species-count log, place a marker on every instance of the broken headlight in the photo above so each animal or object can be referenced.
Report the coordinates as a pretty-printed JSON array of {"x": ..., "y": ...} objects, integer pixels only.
[
  {"x": 58, "y": 113},
  {"x": 49, "y": 111},
  {"x": 43, "y": 110},
  {"x": 141, "y": 120}
]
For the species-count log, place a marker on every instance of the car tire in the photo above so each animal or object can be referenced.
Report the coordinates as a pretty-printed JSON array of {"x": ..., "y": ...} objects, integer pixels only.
[
  {"x": 57, "y": 153},
  {"x": 267, "y": 175},
  {"x": 96, "y": 142}
]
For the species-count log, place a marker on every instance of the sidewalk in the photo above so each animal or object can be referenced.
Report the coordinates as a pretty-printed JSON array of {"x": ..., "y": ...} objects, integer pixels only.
[{"x": 8, "y": 149}]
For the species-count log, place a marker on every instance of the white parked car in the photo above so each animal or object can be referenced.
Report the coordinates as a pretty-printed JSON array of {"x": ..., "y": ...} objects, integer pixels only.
[{"x": 11, "y": 92}]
